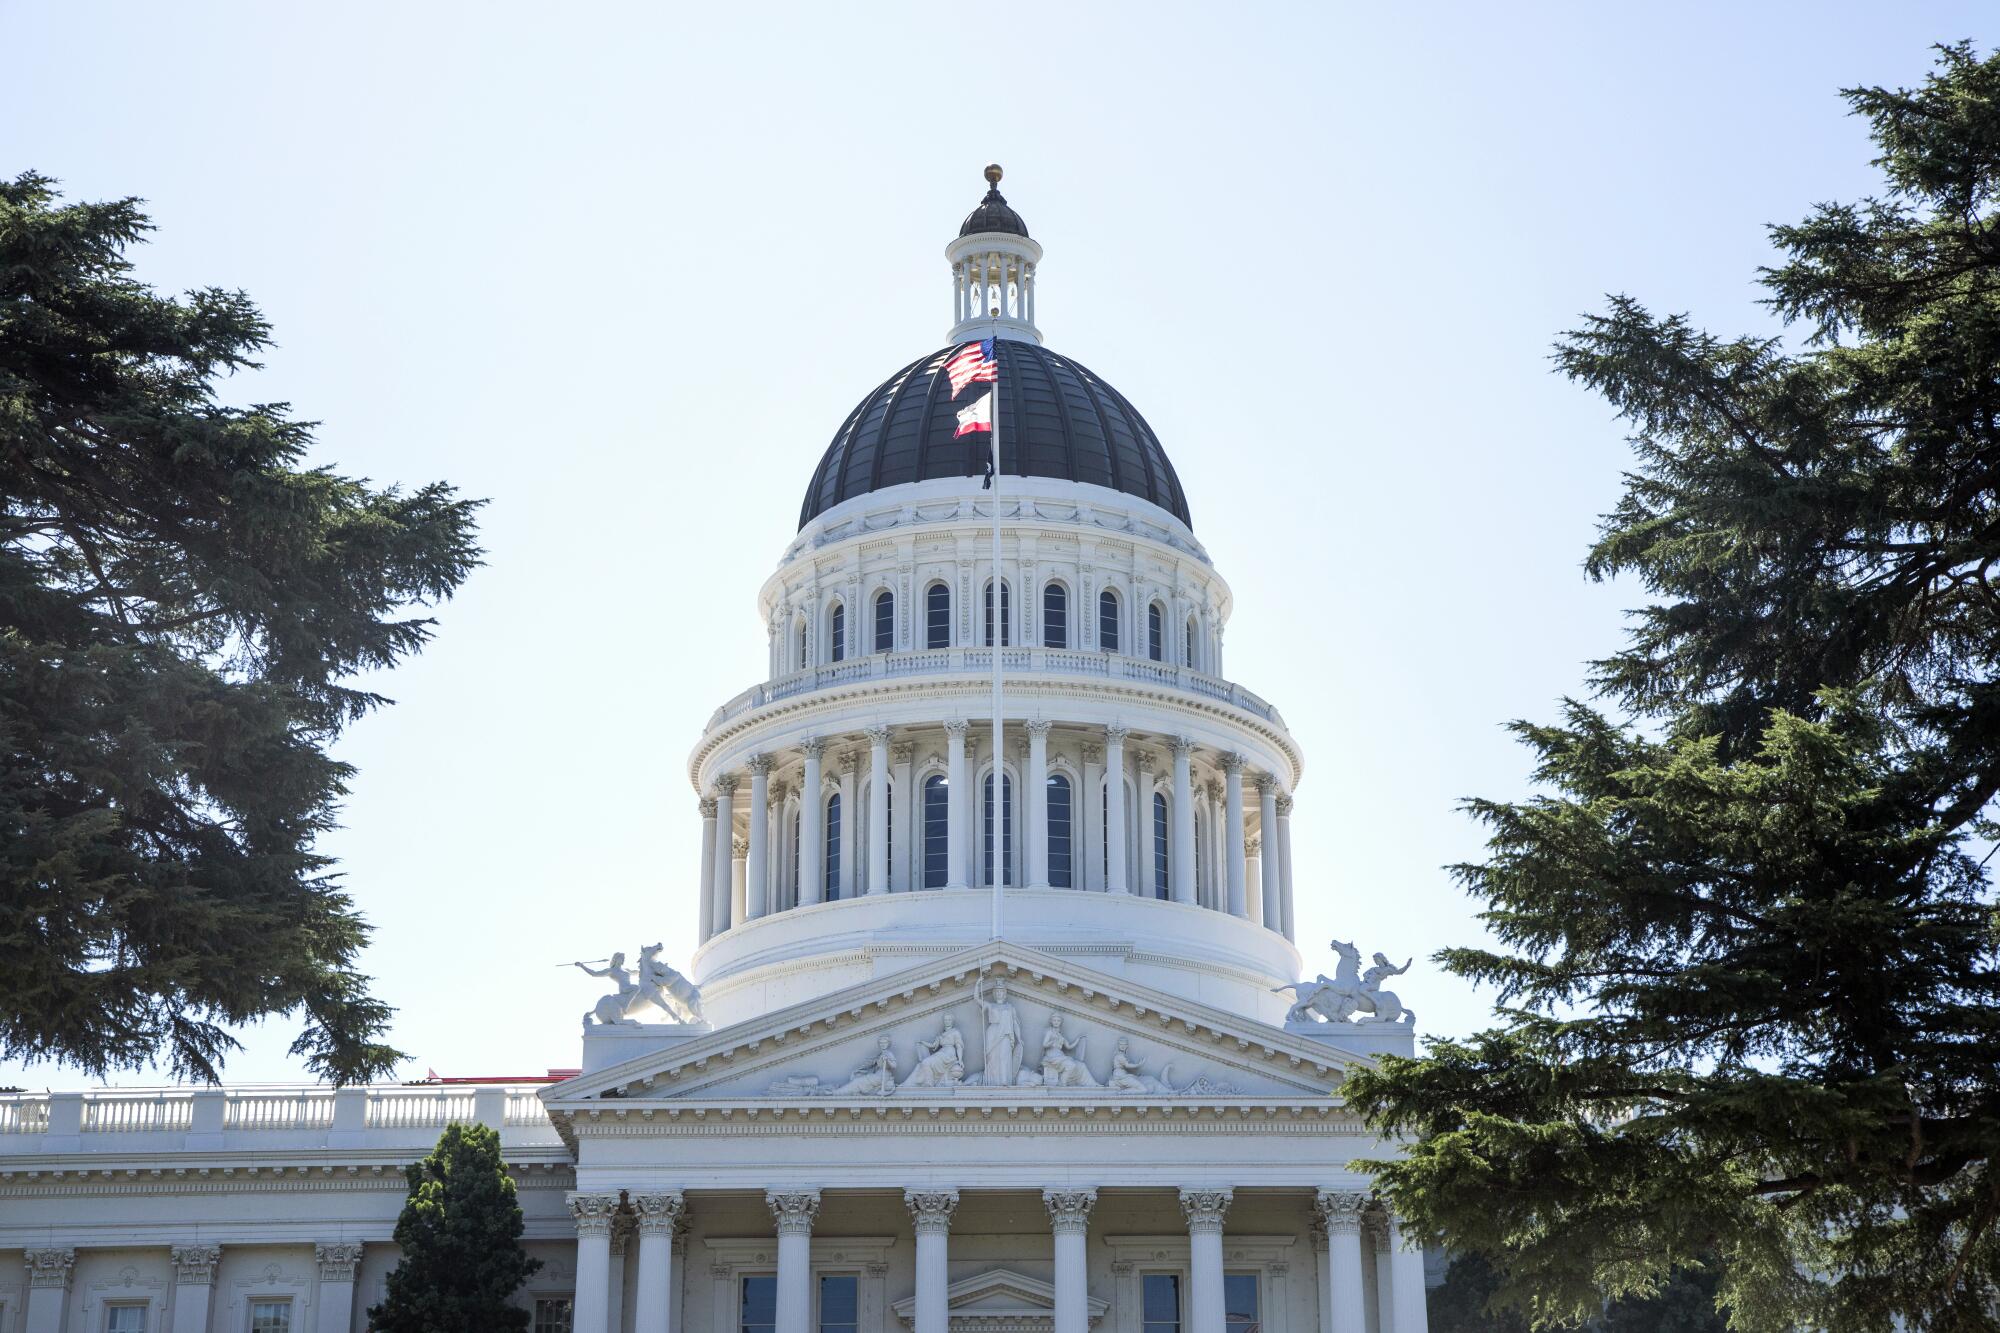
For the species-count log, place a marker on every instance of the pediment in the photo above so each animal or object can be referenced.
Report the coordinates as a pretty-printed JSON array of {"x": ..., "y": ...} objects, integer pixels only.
[
  {"x": 998, "y": 1301},
  {"x": 829, "y": 1051}
]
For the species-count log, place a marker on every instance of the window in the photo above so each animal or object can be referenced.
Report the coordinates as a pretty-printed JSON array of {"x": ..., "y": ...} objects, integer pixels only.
[
  {"x": 1055, "y": 616},
  {"x": 1239, "y": 1303},
  {"x": 837, "y": 632},
  {"x": 1006, "y": 829},
  {"x": 1155, "y": 649},
  {"x": 1104, "y": 822},
  {"x": 839, "y": 1303},
  {"x": 760, "y": 1304},
  {"x": 937, "y": 616},
  {"x": 1190, "y": 643},
  {"x": 125, "y": 1319},
  {"x": 1159, "y": 844},
  {"x": 552, "y": 1314},
  {"x": 1107, "y": 621},
  {"x": 799, "y": 646},
  {"x": 271, "y": 1316},
  {"x": 937, "y": 832},
  {"x": 1060, "y": 874},
  {"x": 1006, "y": 615},
  {"x": 1160, "y": 1300},
  {"x": 885, "y": 621},
  {"x": 831, "y": 874}
]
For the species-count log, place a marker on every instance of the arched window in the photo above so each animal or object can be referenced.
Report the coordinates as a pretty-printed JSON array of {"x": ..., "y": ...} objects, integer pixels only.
[
  {"x": 1159, "y": 844},
  {"x": 831, "y": 870},
  {"x": 885, "y": 621},
  {"x": 937, "y": 616},
  {"x": 1061, "y": 876},
  {"x": 799, "y": 644},
  {"x": 937, "y": 831},
  {"x": 1193, "y": 663},
  {"x": 837, "y": 632},
  {"x": 1006, "y": 829},
  {"x": 1055, "y": 616},
  {"x": 1155, "y": 633},
  {"x": 1006, "y": 608},
  {"x": 1107, "y": 621}
]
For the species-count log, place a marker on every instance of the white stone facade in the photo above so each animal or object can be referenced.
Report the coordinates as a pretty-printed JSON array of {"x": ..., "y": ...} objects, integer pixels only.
[{"x": 889, "y": 1115}]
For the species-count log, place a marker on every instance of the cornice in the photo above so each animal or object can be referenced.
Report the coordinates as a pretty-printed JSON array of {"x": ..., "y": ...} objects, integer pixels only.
[
  {"x": 845, "y": 1118},
  {"x": 38, "y": 1178},
  {"x": 966, "y": 688}
]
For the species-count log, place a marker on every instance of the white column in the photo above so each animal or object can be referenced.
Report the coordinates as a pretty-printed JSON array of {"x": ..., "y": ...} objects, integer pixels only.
[
  {"x": 725, "y": 838},
  {"x": 595, "y": 1215},
  {"x": 1115, "y": 878},
  {"x": 707, "y": 878},
  {"x": 1205, "y": 1210},
  {"x": 1180, "y": 865},
  {"x": 1034, "y": 805},
  {"x": 794, "y": 1211},
  {"x": 757, "y": 870},
  {"x": 1285, "y": 866},
  {"x": 812, "y": 826},
  {"x": 1377, "y": 1245},
  {"x": 930, "y": 1214},
  {"x": 738, "y": 878},
  {"x": 676, "y": 1272},
  {"x": 333, "y": 1300},
  {"x": 1267, "y": 861},
  {"x": 955, "y": 823},
  {"x": 878, "y": 810},
  {"x": 1144, "y": 817},
  {"x": 614, "y": 1292},
  {"x": 1253, "y": 872},
  {"x": 48, "y": 1288},
  {"x": 906, "y": 865},
  {"x": 1319, "y": 1274},
  {"x": 1069, "y": 1218},
  {"x": 1232, "y": 849},
  {"x": 1087, "y": 867},
  {"x": 194, "y": 1282},
  {"x": 658, "y": 1214},
  {"x": 1340, "y": 1211},
  {"x": 1406, "y": 1281},
  {"x": 850, "y": 824}
]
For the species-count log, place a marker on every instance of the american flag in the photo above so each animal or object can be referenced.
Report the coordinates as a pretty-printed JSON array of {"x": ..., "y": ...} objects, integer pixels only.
[{"x": 973, "y": 363}]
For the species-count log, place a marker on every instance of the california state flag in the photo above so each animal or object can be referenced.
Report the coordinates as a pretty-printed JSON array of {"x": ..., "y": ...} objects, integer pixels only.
[{"x": 979, "y": 416}]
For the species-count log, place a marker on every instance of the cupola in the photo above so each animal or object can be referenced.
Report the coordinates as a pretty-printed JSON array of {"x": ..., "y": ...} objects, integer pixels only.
[{"x": 993, "y": 263}]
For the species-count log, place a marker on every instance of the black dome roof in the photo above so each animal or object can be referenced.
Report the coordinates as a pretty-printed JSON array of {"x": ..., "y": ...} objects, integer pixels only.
[
  {"x": 1057, "y": 419},
  {"x": 993, "y": 214}
]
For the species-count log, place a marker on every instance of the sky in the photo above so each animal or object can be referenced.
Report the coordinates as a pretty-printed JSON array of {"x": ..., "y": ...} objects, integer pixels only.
[{"x": 621, "y": 270}]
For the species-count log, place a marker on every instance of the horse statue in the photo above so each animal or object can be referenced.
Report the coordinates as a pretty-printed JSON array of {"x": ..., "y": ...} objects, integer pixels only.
[{"x": 1349, "y": 991}]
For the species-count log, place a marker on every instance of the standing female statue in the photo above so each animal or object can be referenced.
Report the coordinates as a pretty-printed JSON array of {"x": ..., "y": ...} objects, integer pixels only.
[{"x": 1003, "y": 1037}]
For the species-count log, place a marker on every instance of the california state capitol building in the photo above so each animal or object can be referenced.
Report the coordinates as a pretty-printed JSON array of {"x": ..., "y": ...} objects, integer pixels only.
[{"x": 881, "y": 1097}]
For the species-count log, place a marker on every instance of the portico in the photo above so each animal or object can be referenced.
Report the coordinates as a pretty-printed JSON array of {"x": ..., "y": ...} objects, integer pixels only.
[{"x": 1225, "y": 1257}]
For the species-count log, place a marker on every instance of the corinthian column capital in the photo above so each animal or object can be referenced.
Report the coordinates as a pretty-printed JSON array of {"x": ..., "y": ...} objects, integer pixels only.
[
  {"x": 1069, "y": 1210},
  {"x": 931, "y": 1210},
  {"x": 793, "y": 1210}
]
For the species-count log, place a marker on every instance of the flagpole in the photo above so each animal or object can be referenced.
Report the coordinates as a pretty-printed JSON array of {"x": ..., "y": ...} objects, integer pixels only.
[{"x": 999, "y": 641}]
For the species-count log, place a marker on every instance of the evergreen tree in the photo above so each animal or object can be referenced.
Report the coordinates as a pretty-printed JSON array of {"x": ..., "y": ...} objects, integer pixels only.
[
  {"x": 1746, "y": 937},
  {"x": 460, "y": 1235},
  {"x": 181, "y": 600}
]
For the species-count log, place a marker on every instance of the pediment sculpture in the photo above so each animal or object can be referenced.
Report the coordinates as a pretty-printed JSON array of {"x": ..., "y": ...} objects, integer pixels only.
[
  {"x": 652, "y": 988},
  {"x": 1350, "y": 995}
]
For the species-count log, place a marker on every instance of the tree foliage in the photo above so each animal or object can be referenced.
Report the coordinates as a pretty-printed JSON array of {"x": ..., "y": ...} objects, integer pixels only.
[
  {"x": 183, "y": 601},
  {"x": 460, "y": 1234},
  {"x": 1685, "y": 1303},
  {"x": 1746, "y": 938}
]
